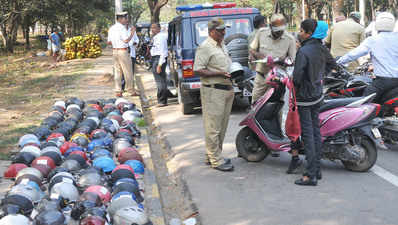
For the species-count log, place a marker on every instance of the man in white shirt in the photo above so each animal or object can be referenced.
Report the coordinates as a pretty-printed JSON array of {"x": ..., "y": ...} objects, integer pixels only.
[
  {"x": 119, "y": 37},
  {"x": 159, "y": 54}
]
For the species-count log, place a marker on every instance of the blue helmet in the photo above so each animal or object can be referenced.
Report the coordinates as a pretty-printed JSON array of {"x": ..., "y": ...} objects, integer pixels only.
[
  {"x": 95, "y": 144},
  {"x": 99, "y": 153},
  {"x": 137, "y": 166},
  {"x": 72, "y": 149},
  {"x": 104, "y": 163}
]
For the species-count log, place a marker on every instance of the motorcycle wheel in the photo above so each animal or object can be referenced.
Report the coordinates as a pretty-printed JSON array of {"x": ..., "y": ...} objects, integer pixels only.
[
  {"x": 368, "y": 162},
  {"x": 250, "y": 147}
]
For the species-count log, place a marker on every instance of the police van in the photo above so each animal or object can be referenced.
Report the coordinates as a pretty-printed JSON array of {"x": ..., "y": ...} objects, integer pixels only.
[{"x": 188, "y": 30}]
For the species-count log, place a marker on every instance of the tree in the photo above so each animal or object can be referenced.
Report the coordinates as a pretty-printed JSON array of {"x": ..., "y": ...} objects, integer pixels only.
[
  {"x": 135, "y": 8},
  {"x": 154, "y": 7}
]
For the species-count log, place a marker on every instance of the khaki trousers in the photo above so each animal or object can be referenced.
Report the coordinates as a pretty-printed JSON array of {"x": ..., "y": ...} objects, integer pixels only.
[
  {"x": 122, "y": 63},
  {"x": 216, "y": 109},
  {"x": 260, "y": 87}
]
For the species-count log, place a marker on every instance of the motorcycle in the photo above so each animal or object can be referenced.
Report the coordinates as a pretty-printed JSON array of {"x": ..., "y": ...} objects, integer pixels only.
[
  {"x": 349, "y": 127},
  {"x": 143, "y": 53}
]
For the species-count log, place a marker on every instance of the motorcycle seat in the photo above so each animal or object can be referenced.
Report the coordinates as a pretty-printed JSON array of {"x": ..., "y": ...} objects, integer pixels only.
[{"x": 334, "y": 103}]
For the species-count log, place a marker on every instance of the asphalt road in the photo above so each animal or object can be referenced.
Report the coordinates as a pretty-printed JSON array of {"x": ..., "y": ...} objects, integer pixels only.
[{"x": 262, "y": 194}]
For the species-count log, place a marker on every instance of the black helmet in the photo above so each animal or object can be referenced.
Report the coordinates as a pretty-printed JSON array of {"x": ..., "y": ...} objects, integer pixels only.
[
  {"x": 89, "y": 177},
  {"x": 78, "y": 158},
  {"x": 17, "y": 204},
  {"x": 42, "y": 132},
  {"x": 76, "y": 101},
  {"x": 128, "y": 187},
  {"x": 54, "y": 156},
  {"x": 24, "y": 157},
  {"x": 50, "y": 217},
  {"x": 55, "y": 171},
  {"x": 120, "y": 174},
  {"x": 60, "y": 179}
]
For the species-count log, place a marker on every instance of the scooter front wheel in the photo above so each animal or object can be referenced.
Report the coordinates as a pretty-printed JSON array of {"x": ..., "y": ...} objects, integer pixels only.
[{"x": 250, "y": 147}]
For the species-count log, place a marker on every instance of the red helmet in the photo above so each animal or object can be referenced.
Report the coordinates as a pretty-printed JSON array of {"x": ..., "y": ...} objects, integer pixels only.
[
  {"x": 101, "y": 191},
  {"x": 44, "y": 169},
  {"x": 66, "y": 146},
  {"x": 13, "y": 169},
  {"x": 124, "y": 130},
  {"x": 93, "y": 220},
  {"x": 45, "y": 161},
  {"x": 129, "y": 153},
  {"x": 123, "y": 166},
  {"x": 55, "y": 135},
  {"x": 81, "y": 153},
  {"x": 96, "y": 106}
]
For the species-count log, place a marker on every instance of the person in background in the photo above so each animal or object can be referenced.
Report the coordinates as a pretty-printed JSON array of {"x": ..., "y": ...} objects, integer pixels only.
[
  {"x": 119, "y": 37},
  {"x": 345, "y": 36},
  {"x": 258, "y": 23},
  {"x": 133, "y": 44},
  {"x": 55, "y": 46},
  {"x": 159, "y": 53},
  {"x": 313, "y": 61}
]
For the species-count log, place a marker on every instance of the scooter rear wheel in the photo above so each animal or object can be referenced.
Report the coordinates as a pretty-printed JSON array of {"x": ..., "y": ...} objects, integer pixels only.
[
  {"x": 369, "y": 159},
  {"x": 250, "y": 147}
]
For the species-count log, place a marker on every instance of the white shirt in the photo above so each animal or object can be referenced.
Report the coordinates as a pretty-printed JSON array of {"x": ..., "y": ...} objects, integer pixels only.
[
  {"x": 117, "y": 34},
  {"x": 133, "y": 41},
  {"x": 159, "y": 47},
  {"x": 396, "y": 27}
]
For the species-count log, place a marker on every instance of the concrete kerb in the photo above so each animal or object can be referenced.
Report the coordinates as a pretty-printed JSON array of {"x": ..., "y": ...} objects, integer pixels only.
[{"x": 158, "y": 141}]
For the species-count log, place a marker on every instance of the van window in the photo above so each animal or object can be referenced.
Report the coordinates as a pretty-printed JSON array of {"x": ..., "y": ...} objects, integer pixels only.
[{"x": 241, "y": 25}]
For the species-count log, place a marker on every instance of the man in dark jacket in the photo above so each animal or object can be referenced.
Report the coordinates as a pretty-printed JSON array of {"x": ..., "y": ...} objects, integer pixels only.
[{"x": 312, "y": 61}]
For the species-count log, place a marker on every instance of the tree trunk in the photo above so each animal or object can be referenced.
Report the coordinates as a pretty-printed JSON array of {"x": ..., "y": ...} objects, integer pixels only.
[
  {"x": 154, "y": 7},
  {"x": 362, "y": 11},
  {"x": 26, "y": 34},
  {"x": 337, "y": 8}
]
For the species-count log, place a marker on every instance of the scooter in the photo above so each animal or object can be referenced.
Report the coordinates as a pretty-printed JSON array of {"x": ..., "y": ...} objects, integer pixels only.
[{"x": 349, "y": 127}]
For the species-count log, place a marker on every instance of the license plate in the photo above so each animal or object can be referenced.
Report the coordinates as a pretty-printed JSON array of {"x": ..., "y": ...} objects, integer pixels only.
[
  {"x": 376, "y": 132},
  {"x": 246, "y": 93},
  {"x": 195, "y": 86}
]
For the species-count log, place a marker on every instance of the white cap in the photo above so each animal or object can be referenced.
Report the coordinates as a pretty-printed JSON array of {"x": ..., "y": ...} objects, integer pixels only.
[{"x": 385, "y": 21}]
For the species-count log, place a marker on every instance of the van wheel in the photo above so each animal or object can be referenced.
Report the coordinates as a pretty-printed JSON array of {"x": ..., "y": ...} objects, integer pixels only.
[{"x": 186, "y": 109}]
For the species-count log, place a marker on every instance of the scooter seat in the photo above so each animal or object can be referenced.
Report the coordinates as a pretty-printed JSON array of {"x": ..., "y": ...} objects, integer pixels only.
[{"x": 334, "y": 103}]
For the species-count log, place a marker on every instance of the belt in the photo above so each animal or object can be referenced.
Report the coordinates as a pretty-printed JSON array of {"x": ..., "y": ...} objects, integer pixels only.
[
  {"x": 219, "y": 86},
  {"x": 119, "y": 48},
  {"x": 261, "y": 74}
]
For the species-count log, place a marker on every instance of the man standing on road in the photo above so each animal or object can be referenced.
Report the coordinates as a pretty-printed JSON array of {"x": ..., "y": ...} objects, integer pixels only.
[
  {"x": 211, "y": 64},
  {"x": 345, "y": 36},
  {"x": 119, "y": 37},
  {"x": 159, "y": 54},
  {"x": 273, "y": 42},
  {"x": 258, "y": 23}
]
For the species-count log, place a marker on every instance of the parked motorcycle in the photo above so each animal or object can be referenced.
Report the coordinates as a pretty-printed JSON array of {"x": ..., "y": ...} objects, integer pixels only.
[
  {"x": 349, "y": 127},
  {"x": 143, "y": 53}
]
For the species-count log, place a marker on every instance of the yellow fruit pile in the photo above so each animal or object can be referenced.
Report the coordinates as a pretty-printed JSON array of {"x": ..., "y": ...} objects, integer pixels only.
[{"x": 83, "y": 47}]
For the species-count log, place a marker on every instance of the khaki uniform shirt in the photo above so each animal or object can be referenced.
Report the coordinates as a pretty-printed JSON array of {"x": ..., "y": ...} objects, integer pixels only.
[
  {"x": 210, "y": 56},
  {"x": 283, "y": 47},
  {"x": 345, "y": 36}
]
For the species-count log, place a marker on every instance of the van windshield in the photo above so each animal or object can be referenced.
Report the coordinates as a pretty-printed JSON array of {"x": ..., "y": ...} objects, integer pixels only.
[{"x": 241, "y": 25}]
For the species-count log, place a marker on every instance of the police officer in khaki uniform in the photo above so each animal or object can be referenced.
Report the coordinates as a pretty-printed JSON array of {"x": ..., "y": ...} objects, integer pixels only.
[
  {"x": 275, "y": 42},
  {"x": 211, "y": 64}
]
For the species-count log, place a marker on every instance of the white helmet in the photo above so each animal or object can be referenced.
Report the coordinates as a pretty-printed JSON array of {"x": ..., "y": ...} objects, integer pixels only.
[
  {"x": 51, "y": 149},
  {"x": 27, "y": 139},
  {"x": 121, "y": 202},
  {"x": 385, "y": 21},
  {"x": 72, "y": 106},
  {"x": 64, "y": 174},
  {"x": 130, "y": 115},
  {"x": 120, "y": 100},
  {"x": 15, "y": 219},
  {"x": 31, "y": 171},
  {"x": 27, "y": 191},
  {"x": 65, "y": 190},
  {"x": 60, "y": 104},
  {"x": 32, "y": 149},
  {"x": 130, "y": 215}
]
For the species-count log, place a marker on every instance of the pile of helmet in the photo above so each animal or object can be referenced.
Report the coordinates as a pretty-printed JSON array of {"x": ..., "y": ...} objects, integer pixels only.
[{"x": 80, "y": 166}]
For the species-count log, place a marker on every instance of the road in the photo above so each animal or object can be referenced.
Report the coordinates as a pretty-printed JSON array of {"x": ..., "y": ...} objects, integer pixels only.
[{"x": 262, "y": 194}]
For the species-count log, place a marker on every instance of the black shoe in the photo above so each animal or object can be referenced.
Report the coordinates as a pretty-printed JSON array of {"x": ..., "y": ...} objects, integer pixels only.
[
  {"x": 225, "y": 167},
  {"x": 275, "y": 154},
  {"x": 227, "y": 161},
  {"x": 309, "y": 182},
  {"x": 319, "y": 175},
  {"x": 293, "y": 166}
]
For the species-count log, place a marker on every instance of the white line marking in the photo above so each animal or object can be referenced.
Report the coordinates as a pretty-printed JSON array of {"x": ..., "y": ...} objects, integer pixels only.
[{"x": 385, "y": 175}]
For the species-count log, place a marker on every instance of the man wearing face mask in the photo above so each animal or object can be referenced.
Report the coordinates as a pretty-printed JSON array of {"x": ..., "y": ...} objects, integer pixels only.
[{"x": 275, "y": 42}]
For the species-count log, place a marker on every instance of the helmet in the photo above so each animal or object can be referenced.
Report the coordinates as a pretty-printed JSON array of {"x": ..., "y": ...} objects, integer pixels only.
[
  {"x": 61, "y": 104},
  {"x": 129, "y": 187},
  {"x": 56, "y": 171},
  {"x": 57, "y": 138},
  {"x": 98, "y": 133},
  {"x": 129, "y": 154},
  {"x": 87, "y": 201},
  {"x": 72, "y": 106},
  {"x": 119, "y": 203},
  {"x": 93, "y": 220},
  {"x": 32, "y": 149},
  {"x": 137, "y": 166},
  {"x": 128, "y": 106},
  {"x": 28, "y": 138},
  {"x": 80, "y": 139},
  {"x": 132, "y": 127},
  {"x": 13, "y": 169},
  {"x": 44, "y": 169},
  {"x": 118, "y": 118},
  {"x": 90, "y": 178},
  {"x": 130, "y": 215},
  {"x": 71, "y": 165},
  {"x": 48, "y": 144},
  {"x": 42, "y": 132},
  {"x": 104, "y": 163},
  {"x": 60, "y": 179},
  {"x": 385, "y": 21},
  {"x": 63, "y": 174},
  {"x": 101, "y": 191},
  {"x": 119, "y": 100},
  {"x": 95, "y": 119},
  {"x": 24, "y": 158},
  {"x": 55, "y": 156},
  {"x": 96, "y": 211},
  {"x": 28, "y": 191},
  {"x": 109, "y": 108},
  {"x": 235, "y": 69},
  {"x": 45, "y": 161},
  {"x": 126, "y": 180},
  {"x": 97, "y": 143},
  {"x": 17, "y": 204},
  {"x": 28, "y": 178},
  {"x": 52, "y": 149},
  {"x": 119, "y": 144},
  {"x": 50, "y": 217},
  {"x": 115, "y": 124},
  {"x": 15, "y": 219},
  {"x": 66, "y": 146},
  {"x": 122, "y": 173},
  {"x": 96, "y": 107},
  {"x": 130, "y": 115},
  {"x": 123, "y": 166},
  {"x": 107, "y": 125},
  {"x": 66, "y": 190},
  {"x": 100, "y": 152},
  {"x": 32, "y": 171},
  {"x": 81, "y": 153},
  {"x": 76, "y": 101},
  {"x": 115, "y": 112},
  {"x": 73, "y": 149}
]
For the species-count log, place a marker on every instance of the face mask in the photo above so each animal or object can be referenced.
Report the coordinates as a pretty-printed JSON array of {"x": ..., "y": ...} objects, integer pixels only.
[{"x": 277, "y": 34}]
